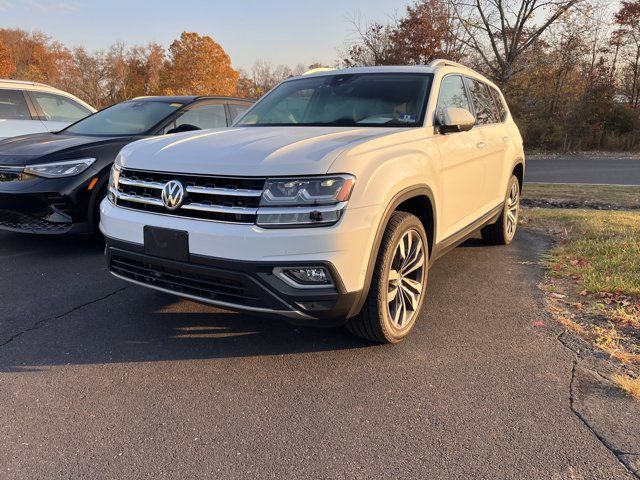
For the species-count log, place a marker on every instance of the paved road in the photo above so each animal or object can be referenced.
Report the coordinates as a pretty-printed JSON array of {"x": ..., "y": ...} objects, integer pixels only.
[
  {"x": 581, "y": 169},
  {"x": 103, "y": 380}
]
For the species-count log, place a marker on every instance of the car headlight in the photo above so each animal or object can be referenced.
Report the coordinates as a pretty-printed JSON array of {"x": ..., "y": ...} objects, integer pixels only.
[
  {"x": 306, "y": 201},
  {"x": 114, "y": 179},
  {"x": 66, "y": 168}
]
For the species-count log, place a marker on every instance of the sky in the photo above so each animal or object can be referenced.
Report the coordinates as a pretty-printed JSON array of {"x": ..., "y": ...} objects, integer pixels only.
[{"x": 280, "y": 31}]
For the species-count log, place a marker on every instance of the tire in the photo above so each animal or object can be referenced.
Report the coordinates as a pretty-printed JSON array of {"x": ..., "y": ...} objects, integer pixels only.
[
  {"x": 504, "y": 230},
  {"x": 381, "y": 319}
]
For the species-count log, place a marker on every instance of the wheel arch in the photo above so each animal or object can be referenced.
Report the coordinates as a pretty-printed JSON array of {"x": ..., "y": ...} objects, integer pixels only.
[
  {"x": 518, "y": 171},
  {"x": 418, "y": 200}
]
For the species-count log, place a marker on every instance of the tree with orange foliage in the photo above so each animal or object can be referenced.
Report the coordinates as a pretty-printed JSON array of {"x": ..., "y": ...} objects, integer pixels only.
[
  {"x": 6, "y": 64},
  {"x": 427, "y": 31},
  {"x": 197, "y": 65}
]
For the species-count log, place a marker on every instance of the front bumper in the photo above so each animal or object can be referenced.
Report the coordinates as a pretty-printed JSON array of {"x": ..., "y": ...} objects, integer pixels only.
[
  {"x": 236, "y": 285},
  {"x": 46, "y": 206},
  {"x": 248, "y": 254}
]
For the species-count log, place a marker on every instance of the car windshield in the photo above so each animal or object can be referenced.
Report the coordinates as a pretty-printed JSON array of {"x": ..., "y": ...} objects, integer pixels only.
[
  {"x": 126, "y": 118},
  {"x": 368, "y": 100}
]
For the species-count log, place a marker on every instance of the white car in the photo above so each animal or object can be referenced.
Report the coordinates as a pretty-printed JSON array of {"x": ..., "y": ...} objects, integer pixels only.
[
  {"x": 327, "y": 202},
  {"x": 28, "y": 107}
]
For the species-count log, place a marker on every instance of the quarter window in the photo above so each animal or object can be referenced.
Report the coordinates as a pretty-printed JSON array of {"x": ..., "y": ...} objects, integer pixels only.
[
  {"x": 452, "y": 95},
  {"x": 57, "y": 108},
  {"x": 13, "y": 105},
  {"x": 236, "y": 110},
  {"x": 502, "y": 110},
  {"x": 486, "y": 111}
]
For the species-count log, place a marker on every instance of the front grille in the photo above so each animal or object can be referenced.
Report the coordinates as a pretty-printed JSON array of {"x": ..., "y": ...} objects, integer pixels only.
[
  {"x": 207, "y": 286},
  {"x": 27, "y": 223},
  {"x": 222, "y": 199}
]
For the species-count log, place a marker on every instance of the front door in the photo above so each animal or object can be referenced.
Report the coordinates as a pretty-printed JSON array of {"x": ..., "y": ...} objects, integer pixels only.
[{"x": 463, "y": 163}]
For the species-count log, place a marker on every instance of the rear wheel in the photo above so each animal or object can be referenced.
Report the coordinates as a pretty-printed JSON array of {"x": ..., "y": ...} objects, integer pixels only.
[
  {"x": 397, "y": 289},
  {"x": 504, "y": 230}
]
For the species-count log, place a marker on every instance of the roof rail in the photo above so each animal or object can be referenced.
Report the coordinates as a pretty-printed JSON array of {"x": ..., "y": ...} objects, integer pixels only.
[
  {"x": 318, "y": 70},
  {"x": 23, "y": 82},
  {"x": 441, "y": 62}
]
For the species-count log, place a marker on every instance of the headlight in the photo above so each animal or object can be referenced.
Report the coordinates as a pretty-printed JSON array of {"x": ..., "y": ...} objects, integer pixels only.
[
  {"x": 300, "y": 202},
  {"x": 307, "y": 191},
  {"x": 66, "y": 168},
  {"x": 114, "y": 178}
]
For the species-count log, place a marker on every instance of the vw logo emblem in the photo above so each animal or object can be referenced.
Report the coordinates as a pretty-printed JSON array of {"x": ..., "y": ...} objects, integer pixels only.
[{"x": 172, "y": 195}]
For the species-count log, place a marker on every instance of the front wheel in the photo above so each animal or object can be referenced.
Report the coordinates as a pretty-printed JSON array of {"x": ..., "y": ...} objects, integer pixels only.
[
  {"x": 503, "y": 231},
  {"x": 398, "y": 287}
]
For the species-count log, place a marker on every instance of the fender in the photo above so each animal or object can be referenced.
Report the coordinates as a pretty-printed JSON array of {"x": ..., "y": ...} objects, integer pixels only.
[
  {"x": 103, "y": 175},
  {"x": 400, "y": 197}
]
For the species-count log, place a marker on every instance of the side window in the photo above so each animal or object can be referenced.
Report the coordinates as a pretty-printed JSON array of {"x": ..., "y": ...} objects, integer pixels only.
[
  {"x": 486, "y": 111},
  {"x": 203, "y": 117},
  {"x": 452, "y": 95},
  {"x": 502, "y": 109},
  {"x": 57, "y": 108},
  {"x": 236, "y": 110},
  {"x": 13, "y": 105}
]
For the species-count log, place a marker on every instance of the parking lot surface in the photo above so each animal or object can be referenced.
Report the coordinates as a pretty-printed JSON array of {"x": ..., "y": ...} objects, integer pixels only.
[{"x": 99, "y": 379}]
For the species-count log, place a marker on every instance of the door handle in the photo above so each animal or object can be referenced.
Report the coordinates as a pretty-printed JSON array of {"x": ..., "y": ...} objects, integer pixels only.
[{"x": 481, "y": 145}]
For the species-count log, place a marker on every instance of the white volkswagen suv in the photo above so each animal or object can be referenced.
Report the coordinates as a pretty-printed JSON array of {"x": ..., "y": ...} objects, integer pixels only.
[{"x": 326, "y": 202}]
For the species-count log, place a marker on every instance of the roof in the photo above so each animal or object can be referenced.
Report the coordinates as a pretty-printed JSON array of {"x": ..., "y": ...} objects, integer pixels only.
[
  {"x": 184, "y": 99},
  {"x": 431, "y": 68},
  {"x": 25, "y": 83}
]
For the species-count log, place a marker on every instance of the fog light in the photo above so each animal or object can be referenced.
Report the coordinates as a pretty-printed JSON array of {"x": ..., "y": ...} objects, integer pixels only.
[{"x": 314, "y": 276}]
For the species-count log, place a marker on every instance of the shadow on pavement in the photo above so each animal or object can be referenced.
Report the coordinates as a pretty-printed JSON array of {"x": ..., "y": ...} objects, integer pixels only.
[{"x": 138, "y": 325}]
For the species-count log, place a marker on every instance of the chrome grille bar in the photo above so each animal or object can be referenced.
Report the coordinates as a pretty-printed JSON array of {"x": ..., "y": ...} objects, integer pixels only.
[
  {"x": 136, "y": 198},
  {"x": 203, "y": 207},
  {"x": 141, "y": 183},
  {"x": 233, "y": 192}
]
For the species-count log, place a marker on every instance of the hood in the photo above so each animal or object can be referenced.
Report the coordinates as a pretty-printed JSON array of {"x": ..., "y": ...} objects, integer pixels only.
[
  {"x": 255, "y": 151},
  {"x": 48, "y": 147}
]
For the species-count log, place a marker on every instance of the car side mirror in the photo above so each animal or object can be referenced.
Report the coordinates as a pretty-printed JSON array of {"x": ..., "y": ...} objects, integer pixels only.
[
  {"x": 185, "y": 127},
  {"x": 457, "y": 120}
]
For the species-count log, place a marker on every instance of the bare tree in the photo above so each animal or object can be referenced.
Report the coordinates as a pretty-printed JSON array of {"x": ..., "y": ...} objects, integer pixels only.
[{"x": 501, "y": 31}]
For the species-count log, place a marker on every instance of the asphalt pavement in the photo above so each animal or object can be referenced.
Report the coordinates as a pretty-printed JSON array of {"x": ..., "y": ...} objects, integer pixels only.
[
  {"x": 605, "y": 168},
  {"x": 99, "y": 379}
]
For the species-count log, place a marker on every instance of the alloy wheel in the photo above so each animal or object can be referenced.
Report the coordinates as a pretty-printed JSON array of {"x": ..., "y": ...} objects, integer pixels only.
[
  {"x": 406, "y": 279},
  {"x": 513, "y": 209}
]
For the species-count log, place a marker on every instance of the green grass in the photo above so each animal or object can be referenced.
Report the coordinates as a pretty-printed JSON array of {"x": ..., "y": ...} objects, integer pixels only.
[
  {"x": 599, "y": 195},
  {"x": 600, "y": 248}
]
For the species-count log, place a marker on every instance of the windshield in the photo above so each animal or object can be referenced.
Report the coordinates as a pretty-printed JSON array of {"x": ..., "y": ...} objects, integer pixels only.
[
  {"x": 368, "y": 100},
  {"x": 126, "y": 118}
]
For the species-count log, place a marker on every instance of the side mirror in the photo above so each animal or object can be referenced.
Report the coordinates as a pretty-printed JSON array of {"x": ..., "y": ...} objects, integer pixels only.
[
  {"x": 457, "y": 120},
  {"x": 185, "y": 127}
]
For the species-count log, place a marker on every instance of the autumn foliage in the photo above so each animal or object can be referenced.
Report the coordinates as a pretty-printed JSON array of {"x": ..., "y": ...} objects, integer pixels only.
[
  {"x": 194, "y": 64},
  {"x": 197, "y": 65},
  {"x": 6, "y": 63}
]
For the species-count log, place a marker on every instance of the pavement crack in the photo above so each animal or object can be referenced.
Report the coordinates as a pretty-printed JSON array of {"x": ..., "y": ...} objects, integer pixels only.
[
  {"x": 41, "y": 322},
  {"x": 619, "y": 454}
]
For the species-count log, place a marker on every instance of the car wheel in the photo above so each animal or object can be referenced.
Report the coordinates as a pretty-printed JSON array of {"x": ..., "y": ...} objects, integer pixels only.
[
  {"x": 397, "y": 290},
  {"x": 504, "y": 230}
]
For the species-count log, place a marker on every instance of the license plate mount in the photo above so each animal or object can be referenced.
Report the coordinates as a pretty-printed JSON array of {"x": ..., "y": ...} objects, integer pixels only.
[{"x": 166, "y": 243}]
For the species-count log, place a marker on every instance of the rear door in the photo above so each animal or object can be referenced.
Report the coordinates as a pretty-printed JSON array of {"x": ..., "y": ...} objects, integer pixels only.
[
  {"x": 16, "y": 116},
  {"x": 57, "y": 111},
  {"x": 491, "y": 130},
  {"x": 463, "y": 163}
]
